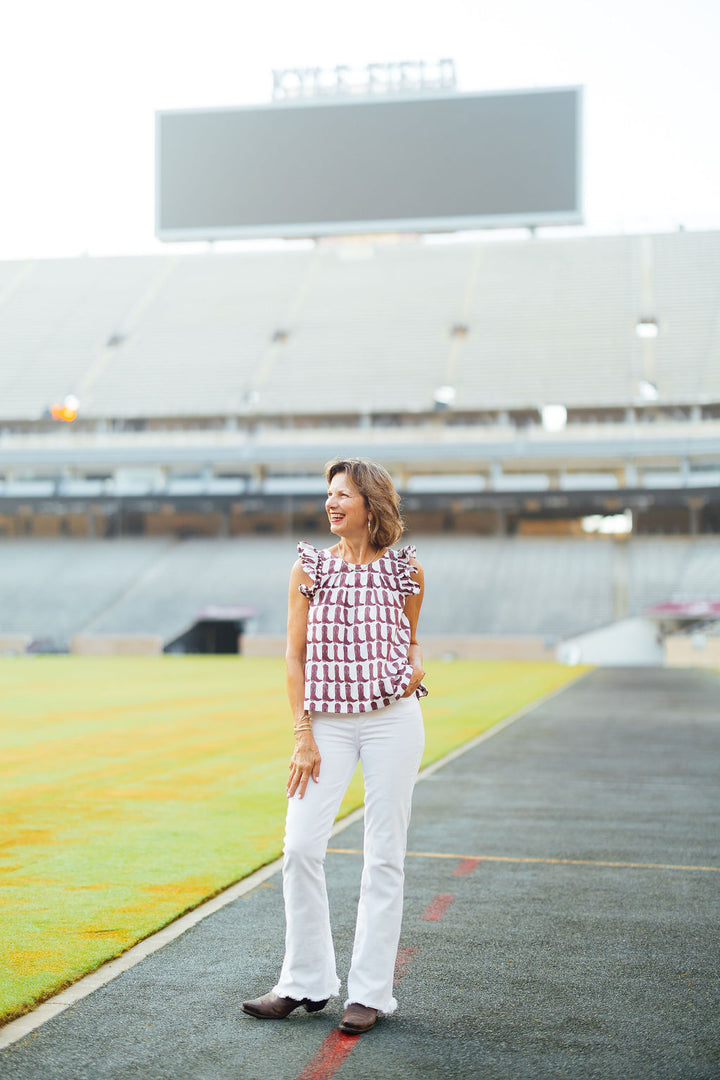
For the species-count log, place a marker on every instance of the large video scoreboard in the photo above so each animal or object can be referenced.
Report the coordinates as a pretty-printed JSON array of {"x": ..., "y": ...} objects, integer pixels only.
[{"x": 421, "y": 163}]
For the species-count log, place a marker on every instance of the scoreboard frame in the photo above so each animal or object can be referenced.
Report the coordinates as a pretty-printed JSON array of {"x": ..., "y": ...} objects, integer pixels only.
[{"x": 209, "y": 159}]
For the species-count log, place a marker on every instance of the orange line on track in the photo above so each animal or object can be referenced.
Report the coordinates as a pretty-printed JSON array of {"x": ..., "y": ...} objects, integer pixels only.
[
  {"x": 523, "y": 859},
  {"x": 337, "y": 1045},
  {"x": 437, "y": 907},
  {"x": 329, "y": 1057},
  {"x": 465, "y": 867},
  {"x": 402, "y": 963}
]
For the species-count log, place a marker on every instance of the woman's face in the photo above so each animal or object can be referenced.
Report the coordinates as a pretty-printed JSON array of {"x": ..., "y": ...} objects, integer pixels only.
[{"x": 345, "y": 506}]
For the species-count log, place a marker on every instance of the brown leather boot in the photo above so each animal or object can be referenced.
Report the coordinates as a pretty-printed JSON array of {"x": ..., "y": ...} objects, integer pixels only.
[
  {"x": 357, "y": 1018},
  {"x": 273, "y": 1007}
]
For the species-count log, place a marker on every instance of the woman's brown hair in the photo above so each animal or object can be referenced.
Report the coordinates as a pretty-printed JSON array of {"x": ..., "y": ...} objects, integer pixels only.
[{"x": 382, "y": 500}]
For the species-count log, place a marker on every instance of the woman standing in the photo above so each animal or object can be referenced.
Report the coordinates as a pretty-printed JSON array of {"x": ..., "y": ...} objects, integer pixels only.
[{"x": 354, "y": 672}]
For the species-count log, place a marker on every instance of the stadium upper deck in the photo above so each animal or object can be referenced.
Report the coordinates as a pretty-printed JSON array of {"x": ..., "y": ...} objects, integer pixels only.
[
  {"x": 510, "y": 326},
  {"x": 224, "y": 377}
]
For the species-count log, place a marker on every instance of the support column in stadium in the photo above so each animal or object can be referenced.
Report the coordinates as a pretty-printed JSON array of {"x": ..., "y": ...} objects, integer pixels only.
[
  {"x": 621, "y": 577},
  {"x": 695, "y": 506},
  {"x": 648, "y": 300}
]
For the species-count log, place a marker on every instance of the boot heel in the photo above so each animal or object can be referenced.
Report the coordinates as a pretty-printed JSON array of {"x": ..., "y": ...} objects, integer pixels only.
[{"x": 314, "y": 1006}]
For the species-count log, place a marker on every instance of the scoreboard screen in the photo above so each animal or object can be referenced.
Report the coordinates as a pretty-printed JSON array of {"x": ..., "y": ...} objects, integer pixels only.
[{"x": 424, "y": 163}]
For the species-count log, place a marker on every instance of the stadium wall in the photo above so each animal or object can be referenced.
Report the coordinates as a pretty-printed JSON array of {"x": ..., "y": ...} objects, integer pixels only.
[
  {"x": 116, "y": 645},
  {"x": 693, "y": 650}
]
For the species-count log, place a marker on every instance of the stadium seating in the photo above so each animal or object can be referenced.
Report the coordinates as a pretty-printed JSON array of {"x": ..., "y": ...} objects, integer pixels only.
[
  {"x": 53, "y": 589},
  {"x": 508, "y": 325},
  {"x": 56, "y": 317},
  {"x": 672, "y": 568}
]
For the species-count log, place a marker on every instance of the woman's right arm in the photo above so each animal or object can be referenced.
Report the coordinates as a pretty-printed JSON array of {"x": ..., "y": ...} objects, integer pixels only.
[{"x": 305, "y": 761}]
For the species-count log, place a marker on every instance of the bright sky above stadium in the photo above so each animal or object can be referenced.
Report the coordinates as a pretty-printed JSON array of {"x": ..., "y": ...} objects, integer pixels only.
[{"x": 81, "y": 80}]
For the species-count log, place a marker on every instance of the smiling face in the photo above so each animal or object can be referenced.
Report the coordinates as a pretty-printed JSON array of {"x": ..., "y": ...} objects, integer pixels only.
[{"x": 346, "y": 508}]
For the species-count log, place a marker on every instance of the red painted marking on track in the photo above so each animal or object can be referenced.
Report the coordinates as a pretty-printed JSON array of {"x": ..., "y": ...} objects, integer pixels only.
[
  {"x": 465, "y": 867},
  {"x": 402, "y": 963},
  {"x": 329, "y": 1057},
  {"x": 437, "y": 907}
]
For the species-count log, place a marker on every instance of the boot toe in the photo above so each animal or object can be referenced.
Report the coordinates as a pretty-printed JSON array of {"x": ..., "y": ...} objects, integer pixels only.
[
  {"x": 357, "y": 1019},
  {"x": 270, "y": 1007}
]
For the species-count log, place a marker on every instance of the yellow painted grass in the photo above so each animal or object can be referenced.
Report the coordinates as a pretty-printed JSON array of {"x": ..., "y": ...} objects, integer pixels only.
[{"x": 134, "y": 788}]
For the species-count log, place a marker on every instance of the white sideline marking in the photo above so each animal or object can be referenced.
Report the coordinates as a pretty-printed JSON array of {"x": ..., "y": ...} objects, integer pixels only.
[{"x": 18, "y": 1029}]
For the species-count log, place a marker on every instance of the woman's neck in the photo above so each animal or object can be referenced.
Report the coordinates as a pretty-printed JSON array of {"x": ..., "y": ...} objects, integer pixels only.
[{"x": 357, "y": 549}]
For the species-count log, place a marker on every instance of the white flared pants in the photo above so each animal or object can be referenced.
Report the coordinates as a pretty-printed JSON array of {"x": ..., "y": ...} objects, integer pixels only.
[{"x": 389, "y": 743}]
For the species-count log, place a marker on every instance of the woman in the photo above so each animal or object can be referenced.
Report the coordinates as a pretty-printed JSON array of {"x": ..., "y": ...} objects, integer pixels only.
[{"x": 354, "y": 676}]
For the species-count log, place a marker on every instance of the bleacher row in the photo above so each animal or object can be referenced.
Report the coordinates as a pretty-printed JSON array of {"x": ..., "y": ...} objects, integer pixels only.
[
  {"x": 508, "y": 325},
  {"x": 54, "y": 589}
]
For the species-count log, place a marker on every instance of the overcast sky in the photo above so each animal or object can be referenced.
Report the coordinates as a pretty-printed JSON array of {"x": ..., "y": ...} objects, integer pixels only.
[{"x": 80, "y": 81}]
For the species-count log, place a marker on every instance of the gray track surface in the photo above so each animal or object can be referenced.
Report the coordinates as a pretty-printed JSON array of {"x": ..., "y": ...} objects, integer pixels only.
[{"x": 537, "y": 969}]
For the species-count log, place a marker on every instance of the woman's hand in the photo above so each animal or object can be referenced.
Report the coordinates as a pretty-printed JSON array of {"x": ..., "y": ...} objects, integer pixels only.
[
  {"x": 414, "y": 658},
  {"x": 304, "y": 763}
]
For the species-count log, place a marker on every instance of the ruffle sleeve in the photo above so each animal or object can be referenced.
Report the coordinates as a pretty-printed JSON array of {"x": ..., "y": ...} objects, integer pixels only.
[
  {"x": 405, "y": 571},
  {"x": 310, "y": 559}
]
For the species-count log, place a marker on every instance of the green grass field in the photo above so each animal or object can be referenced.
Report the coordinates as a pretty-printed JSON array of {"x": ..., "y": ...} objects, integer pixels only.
[{"x": 134, "y": 788}]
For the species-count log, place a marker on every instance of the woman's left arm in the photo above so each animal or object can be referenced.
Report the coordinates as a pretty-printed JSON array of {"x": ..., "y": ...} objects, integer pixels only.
[{"x": 412, "y": 610}]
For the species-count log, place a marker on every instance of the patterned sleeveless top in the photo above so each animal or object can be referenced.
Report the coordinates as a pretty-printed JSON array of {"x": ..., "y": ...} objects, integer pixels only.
[{"x": 358, "y": 634}]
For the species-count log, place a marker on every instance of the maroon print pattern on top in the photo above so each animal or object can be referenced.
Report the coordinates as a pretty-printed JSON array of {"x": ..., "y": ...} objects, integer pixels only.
[{"x": 358, "y": 634}]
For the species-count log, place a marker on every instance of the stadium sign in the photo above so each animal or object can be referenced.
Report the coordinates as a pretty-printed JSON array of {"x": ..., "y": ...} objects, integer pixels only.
[{"x": 394, "y": 77}]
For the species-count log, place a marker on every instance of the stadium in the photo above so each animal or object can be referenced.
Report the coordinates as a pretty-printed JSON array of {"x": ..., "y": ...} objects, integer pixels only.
[
  {"x": 548, "y": 405},
  {"x": 213, "y": 387}
]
